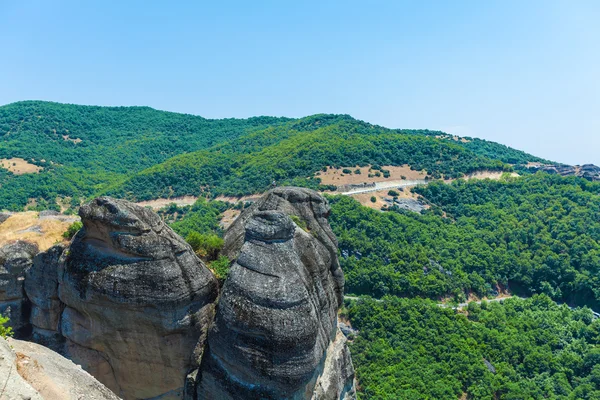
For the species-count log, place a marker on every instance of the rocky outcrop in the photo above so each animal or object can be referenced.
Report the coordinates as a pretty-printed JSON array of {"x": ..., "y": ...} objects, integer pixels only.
[
  {"x": 34, "y": 372},
  {"x": 129, "y": 302},
  {"x": 590, "y": 172},
  {"x": 41, "y": 287},
  {"x": 15, "y": 259},
  {"x": 275, "y": 335},
  {"x": 137, "y": 301}
]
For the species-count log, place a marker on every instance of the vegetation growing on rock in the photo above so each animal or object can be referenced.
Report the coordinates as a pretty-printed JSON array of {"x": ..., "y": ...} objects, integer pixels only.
[{"x": 5, "y": 330}]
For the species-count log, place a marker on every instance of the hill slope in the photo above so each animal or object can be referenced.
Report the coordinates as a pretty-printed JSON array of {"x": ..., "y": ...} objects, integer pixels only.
[
  {"x": 142, "y": 153},
  {"x": 83, "y": 148},
  {"x": 293, "y": 152}
]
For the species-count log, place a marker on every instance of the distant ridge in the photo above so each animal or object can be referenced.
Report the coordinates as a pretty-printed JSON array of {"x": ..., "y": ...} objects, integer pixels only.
[{"x": 141, "y": 153}]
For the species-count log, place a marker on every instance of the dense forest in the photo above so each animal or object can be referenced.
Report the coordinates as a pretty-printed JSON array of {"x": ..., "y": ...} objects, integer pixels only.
[
  {"x": 520, "y": 349},
  {"x": 291, "y": 156},
  {"x": 83, "y": 149},
  {"x": 477, "y": 237},
  {"x": 141, "y": 153},
  {"x": 535, "y": 234}
]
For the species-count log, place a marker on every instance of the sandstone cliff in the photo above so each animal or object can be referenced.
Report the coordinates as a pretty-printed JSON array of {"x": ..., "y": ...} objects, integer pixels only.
[{"x": 275, "y": 334}]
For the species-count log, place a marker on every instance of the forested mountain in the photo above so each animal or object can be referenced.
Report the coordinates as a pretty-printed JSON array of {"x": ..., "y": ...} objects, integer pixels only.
[
  {"x": 535, "y": 236},
  {"x": 141, "y": 153},
  {"x": 84, "y": 148}
]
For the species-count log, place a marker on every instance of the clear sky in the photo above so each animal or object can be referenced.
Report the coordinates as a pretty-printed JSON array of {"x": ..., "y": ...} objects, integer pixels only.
[{"x": 524, "y": 73}]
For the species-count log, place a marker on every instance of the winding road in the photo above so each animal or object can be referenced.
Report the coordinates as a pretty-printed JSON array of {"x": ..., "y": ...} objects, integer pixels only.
[{"x": 387, "y": 185}]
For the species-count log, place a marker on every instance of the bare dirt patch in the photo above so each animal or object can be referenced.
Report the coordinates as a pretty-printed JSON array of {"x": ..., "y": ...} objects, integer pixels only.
[
  {"x": 336, "y": 176},
  {"x": 28, "y": 226},
  {"x": 455, "y": 138},
  {"x": 19, "y": 166}
]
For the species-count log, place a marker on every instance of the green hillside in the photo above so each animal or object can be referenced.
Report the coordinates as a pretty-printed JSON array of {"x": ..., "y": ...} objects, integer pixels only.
[
  {"x": 537, "y": 236},
  {"x": 293, "y": 152},
  {"x": 522, "y": 349},
  {"x": 142, "y": 153},
  {"x": 84, "y": 148}
]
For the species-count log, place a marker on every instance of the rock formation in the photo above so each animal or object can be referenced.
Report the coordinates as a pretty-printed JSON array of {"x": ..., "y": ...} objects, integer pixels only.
[
  {"x": 41, "y": 287},
  {"x": 129, "y": 302},
  {"x": 138, "y": 302},
  {"x": 590, "y": 172},
  {"x": 15, "y": 259},
  {"x": 30, "y": 371},
  {"x": 275, "y": 335}
]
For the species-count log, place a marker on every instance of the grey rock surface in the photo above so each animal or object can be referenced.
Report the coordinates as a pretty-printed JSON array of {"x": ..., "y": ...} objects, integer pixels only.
[
  {"x": 15, "y": 259},
  {"x": 41, "y": 287},
  {"x": 275, "y": 335},
  {"x": 36, "y": 372},
  {"x": 137, "y": 301},
  {"x": 12, "y": 385},
  {"x": 590, "y": 172}
]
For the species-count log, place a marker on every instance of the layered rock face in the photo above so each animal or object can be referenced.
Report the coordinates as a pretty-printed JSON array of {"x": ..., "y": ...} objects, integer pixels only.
[
  {"x": 41, "y": 287},
  {"x": 130, "y": 302},
  {"x": 31, "y": 371},
  {"x": 137, "y": 301},
  {"x": 275, "y": 335},
  {"x": 15, "y": 260}
]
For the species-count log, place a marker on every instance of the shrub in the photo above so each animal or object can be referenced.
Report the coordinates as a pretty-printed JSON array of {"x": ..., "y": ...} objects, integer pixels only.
[
  {"x": 373, "y": 199},
  {"x": 5, "y": 331},
  {"x": 357, "y": 171},
  {"x": 393, "y": 193},
  {"x": 220, "y": 267},
  {"x": 72, "y": 230},
  {"x": 205, "y": 245},
  {"x": 346, "y": 171},
  {"x": 300, "y": 222}
]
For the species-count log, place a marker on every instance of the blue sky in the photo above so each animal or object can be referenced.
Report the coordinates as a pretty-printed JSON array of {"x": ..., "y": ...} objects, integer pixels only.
[{"x": 523, "y": 73}]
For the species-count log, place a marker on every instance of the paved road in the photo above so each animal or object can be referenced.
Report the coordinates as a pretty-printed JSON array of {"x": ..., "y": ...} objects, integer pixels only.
[{"x": 387, "y": 185}]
